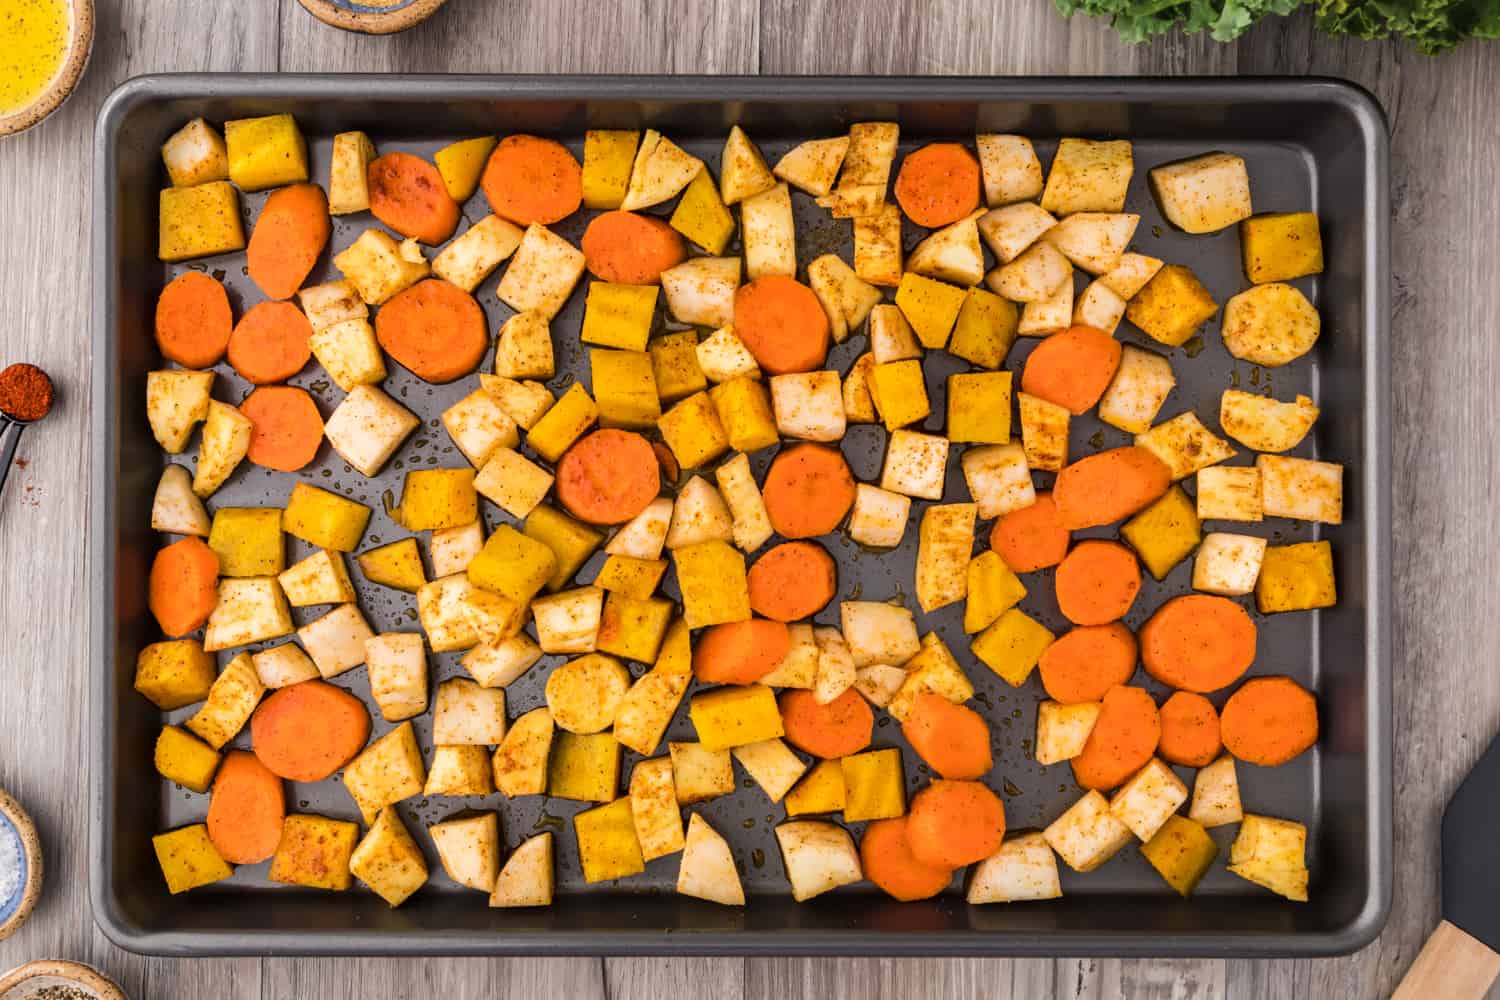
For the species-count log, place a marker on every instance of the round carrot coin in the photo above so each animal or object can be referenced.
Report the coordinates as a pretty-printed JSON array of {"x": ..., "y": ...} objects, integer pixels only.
[
  {"x": 289, "y": 235},
  {"x": 287, "y": 428},
  {"x": 837, "y": 729},
  {"x": 1084, "y": 663},
  {"x": 1269, "y": 720},
  {"x": 529, "y": 179},
  {"x": 1072, "y": 368},
  {"x": 954, "y": 740},
  {"x": 245, "y": 809},
  {"x": 1097, "y": 582},
  {"x": 792, "y": 581},
  {"x": 434, "y": 329},
  {"x": 740, "y": 652},
  {"x": 1198, "y": 642},
  {"x": 886, "y": 857},
  {"x": 808, "y": 490},
  {"x": 307, "y": 731},
  {"x": 408, "y": 194},
  {"x": 270, "y": 343},
  {"x": 608, "y": 477},
  {"x": 1189, "y": 730},
  {"x": 193, "y": 320},
  {"x": 955, "y": 823},
  {"x": 1124, "y": 737},
  {"x": 631, "y": 249},
  {"x": 1031, "y": 538},
  {"x": 1109, "y": 486},
  {"x": 938, "y": 184},
  {"x": 782, "y": 324}
]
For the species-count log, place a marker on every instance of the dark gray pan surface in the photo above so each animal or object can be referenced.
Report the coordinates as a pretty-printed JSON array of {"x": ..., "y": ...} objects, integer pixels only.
[{"x": 1310, "y": 145}]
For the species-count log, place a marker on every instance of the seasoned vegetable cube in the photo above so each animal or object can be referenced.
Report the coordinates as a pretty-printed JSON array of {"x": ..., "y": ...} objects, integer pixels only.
[
  {"x": 1216, "y": 794},
  {"x": 944, "y": 540},
  {"x": 877, "y": 632},
  {"x": 607, "y": 159},
  {"x": 661, "y": 170},
  {"x": 176, "y": 400},
  {"x": 321, "y": 578},
  {"x": 900, "y": 393},
  {"x": 542, "y": 273},
  {"x": 700, "y": 773},
  {"x": 701, "y": 290},
  {"x": 248, "y": 541},
  {"x": 348, "y": 173},
  {"x": 231, "y": 700},
  {"x": 993, "y": 589},
  {"x": 1088, "y": 834},
  {"x": 979, "y": 407},
  {"x": 459, "y": 770},
  {"x": 265, "y": 152},
  {"x": 469, "y": 848},
  {"x": 932, "y": 670},
  {"x": 336, "y": 641},
  {"x": 1301, "y": 488},
  {"x": 184, "y": 759},
  {"x": 1204, "y": 194},
  {"x": 1165, "y": 533},
  {"x": 379, "y": 267},
  {"x": 625, "y": 388},
  {"x": 821, "y": 791},
  {"x": 636, "y": 578},
  {"x": 707, "y": 870},
  {"x": 189, "y": 859},
  {"x": 442, "y": 607},
  {"x": 985, "y": 329},
  {"x": 568, "y": 622},
  {"x": 809, "y": 406},
  {"x": 571, "y": 542},
  {"x": 479, "y": 425},
  {"x": 1228, "y": 564},
  {"x": 564, "y": 423},
  {"x": 675, "y": 366},
  {"x": 461, "y": 163},
  {"x": 250, "y": 609},
  {"x": 397, "y": 668},
  {"x": 520, "y": 761},
  {"x": 452, "y": 549},
  {"x": 513, "y": 482},
  {"x": 1062, "y": 730},
  {"x": 526, "y": 879},
  {"x": 654, "y": 809},
  {"x": 385, "y": 772},
  {"x": 1271, "y": 852},
  {"x": 693, "y": 431},
  {"x": 469, "y": 259},
  {"x": 877, "y": 245},
  {"x": 701, "y": 215},
  {"x": 1138, "y": 390},
  {"x": 619, "y": 315},
  {"x": 512, "y": 565},
  {"x": 742, "y": 408},
  {"x": 367, "y": 428},
  {"x": 1145, "y": 801},
  {"x": 873, "y": 786},
  {"x": 1184, "y": 445},
  {"x": 1281, "y": 246},
  {"x": 195, "y": 154},
  {"x": 1023, "y": 869},
  {"x": 818, "y": 856},
  {"x": 1044, "y": 432},
  {"x": 397, "y": 565},
  {"x": 772, "y": 764},
  {"x": 314, "y": 852},
  {"x": 1296, "y": 578},
  {"x": 1181, "y": 852},
  {"x": 878, "y": 518},
  {"x": 931, "y": 307},
  {"x": 999, "y": 478},
  {"x": 282, "y": 666},
  {"x": 524, "y": 349},
  {"x": 735, "y": 715},
  {"x": 199, "y": 221},
  {"x": 1229, "y": 493},
  {"x": 1088, "y": 176},
  {"x": 633, "y": 627},
  {"x": 607, "y": 843},
  {"x": 1012, "y": 645},
  {"x": 438, "y": 498},
  {"x": 388, "y": 860},
  {"x": 1172, "y": 306},
  {"x": 915, "y": 464}
]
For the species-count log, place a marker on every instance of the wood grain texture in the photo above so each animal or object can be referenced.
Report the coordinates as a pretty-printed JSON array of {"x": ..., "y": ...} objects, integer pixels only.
[{"x": 1445, "y": 358}]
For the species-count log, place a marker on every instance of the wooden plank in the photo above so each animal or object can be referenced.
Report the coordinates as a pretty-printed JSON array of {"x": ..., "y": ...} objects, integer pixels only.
[
  {"x": 895, "y": 978},
  {"x": 659, "y": 978},
  {"x": 450, "y": 979}
]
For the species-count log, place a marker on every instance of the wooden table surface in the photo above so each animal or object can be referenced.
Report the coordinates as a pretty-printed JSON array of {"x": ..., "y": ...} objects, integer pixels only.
[{"x": 1446, "y": 241}]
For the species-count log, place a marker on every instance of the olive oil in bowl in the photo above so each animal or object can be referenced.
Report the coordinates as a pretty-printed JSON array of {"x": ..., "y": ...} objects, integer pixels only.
[{"x": 44, "y": 45}]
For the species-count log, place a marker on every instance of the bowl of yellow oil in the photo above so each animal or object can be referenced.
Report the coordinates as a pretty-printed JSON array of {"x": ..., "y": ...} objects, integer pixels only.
[{"x": 44, "y": 47}]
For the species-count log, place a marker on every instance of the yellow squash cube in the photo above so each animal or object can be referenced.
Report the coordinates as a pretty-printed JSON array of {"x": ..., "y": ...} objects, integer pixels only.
[
  {"x": 1281, "y": 246},
  {"x": 873, "y": 787},
  {"x": 676, "y": 656},
  {"x": 931, "y": 307},
  {"x": 1172, "y": 306},
  {"x": 460, "y": 164},
  {"x": 324, "y": 519},
  {"x": 693, "y": 431},
  {"x": 701, "y": 215},
  {"x": 637, "y": 578},
  {"x": 512, "y": 565},
  {"x": 625, "y": 388},
  {"x": 397, "y": 565},
  {"x": 571, "y": 542},
  {"x": 607, "y": 843},
  {"x": 985, "y": 328},
  {"x": 735, "y": 715},
  {"x": 744, "y": 411},
  {"x": 438, "y": 498},
  {"x": 175, "y": 673},
  {"x": 674, "y": 366},
  {"x": 1012, "y": 645},
  {"x": 900, "y": 393},
  {"x": 185, "y": 759},
  {"x": 608, "y": 156},
  {"x": 1296, "y": 578},
  {"x": 619, "y": 315},
  {"x": 314, "y": 852},
  {"x": 199, "y": 221},
  {"x": 189, "y": 859},
  {"x": 265, "y": 152},
  {"x": 584, "y": 767},
  {"x": 979, "y": 407},
  {"x": 633, "y": 627},
  {"x": 993, "y": 590},
  {"x": 1181, "y": 851},
  {"x": 1165, "y": 533},
  {"x": 714, "y": 586},
  {"x": 821, "y": 790},
  {"x": 563, "y": 424}
]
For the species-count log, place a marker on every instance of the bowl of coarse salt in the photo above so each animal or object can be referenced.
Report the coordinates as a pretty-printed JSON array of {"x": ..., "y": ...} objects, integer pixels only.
[
  {"x": 56, "y": 980},
  {"x": 20, "y": 866}
]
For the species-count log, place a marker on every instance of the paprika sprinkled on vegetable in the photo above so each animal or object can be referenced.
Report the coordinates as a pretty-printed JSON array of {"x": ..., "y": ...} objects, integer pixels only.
[{"x": 25, "y": 392}]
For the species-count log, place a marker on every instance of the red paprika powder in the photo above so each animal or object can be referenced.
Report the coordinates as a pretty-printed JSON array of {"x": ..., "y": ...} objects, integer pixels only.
[{"x": 25, "y": 392}]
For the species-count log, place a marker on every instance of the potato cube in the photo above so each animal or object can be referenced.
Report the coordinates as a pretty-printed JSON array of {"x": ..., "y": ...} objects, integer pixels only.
[
  {"x": 1023, "y": 869},
  {"x": 1204, "y": 194},
  {"x": 931, "y": 307},
  {"x": 944, "y": 541},
  {"x": 1145, "y": 801},
  {"x": 661, "y": 170},
  {"x": 654, "y": 809},
  {"x": 744, "y": 170},
  {"x": 397, "y": 565},
  {"x": 643, "y": 536},
  {"x": 265, "y": 152},
  {"x": 1088, "y": 834},
  {"x": 846, "y": 298},
  {"x": 625, "y": 388},
  {"x": 607, "y": 844},
  {"x": 915, "y": 464},
  {"x": 751, "y": 526},
  {"x": 1271, "y": 852},
  {"x": 772, "y": 764},
  {"x": 1137, "y": 391},
  {"x": 951, "y": 253},
  {"x": 442, "y": 606},
  {"x": 199, "y": 221},
  {"x": 701, "y": 290},
  {"x": 1034, "y": 276},
  {"x": 1062, "y": 730},
  {"x": 526, "y": 878},
  {"x": 1227, "y": 564},
  {"x": 452, "y": 549},
  {"x": 711, "y": 577},
  {"x": 176, "y": 400},
  {"x": 250, "y": 609},
  {"x": 1184, "y": 445},
  {"x": 1262, "y": 423},
  {"x": 835, "y": 672},
  {"x": 891, "y": 337},
  {"x": 542, "y": 273},
  {"x": 226, "y": 441},
  {"x": 367, "y": 428},
  {"x": 336, "y": 641},
  {"x": 388, "y": 860},
  {"x": 1181, "y": 852},
  {"x": 479, "y": 426},
  {"x": 1301, "y": 488},
  {"x": 877, "y": 632},
  {"x": 1229, "y": 493},
  {"x": 870, "y": 154},
  {"x": 607, "y": 158},
  {"x": 512, "y": 565},
  {"x": 700, "y": 773},
  {"x": 513, "y": 482},
  {"x": 1130, "y": 275},
  {"x": 469, "y": 848},
  {"x": 1270, "y": 325},
  {"x": 493, "y": 618},
  {"x": 1281, "y": 246},
  {"x": 1088, "y": 176},
  {"x": 799, "y": 667},
  {"x": 900, "y": 393},
  {"x": 742, "y": 409},
  {"x": 1172, "y": 306},
  {"x": 571, "y": 542},
  {"x": 481, "y": 248},
  {"x": 632, "y": 627},
  {"x": 1012, "y": 645},
  {"x": 821, "y": 791},
  {"x": 1216, "y": 795},
  {"x": 348, "y": 173},
  {"x": 998, "y": 478},
  {"x": 397, "y": 666},
  {"x": 1044, "y": 433},
  {"x": 877, "y": 246},
  {"x": 175, "y": 508},
  {"x": 231, "y": 700},
  {"x": 195, "y": 154},
  {"x": 564, "y": 423},
  {"x": 385, "y": 772},
  {"x": 184, "y": 759},
  {"x": 809, "y": 406},
  {"x": 314, "y": 852},
  {"x": 702, "y": 216},
  {"x": 979, "y": 407},
  {"x": 993, "y": 589},
  {"x": 676, "y": 369},
  {"x": 321, "y": 578},
  {"x": 1165, "y": 533},
  {"x": 619, "y": 316},
  {"x": 496, "y": 664},
  {"x": 568, "y": 622},
  {"x": 520, "y": 761},
  {"x": 348, "y": 351},
  {"x": 1010, "y": 230},
  {"x": 859, "y": 403},
  {"x": 459, "y": 770},
  {"x": 524, "y": 350},
  {"x": 932, "y": 670},
  {"x": 174, "y": 673},
  {"x": 735, "y": 715},
  {"x": 282, "y": 666},
  {"x": 647, "y": 709},
  {"x": 693, "y": 431},
  {"x": 1010, "y": 169},
  {"x": 189, "y": 859},
  {"x": 813, "y": 165},
  {"x": 818, "y": 857},
  {"x": 379, "y": 267},
  {"x": 879, "y": 516},
  {"x": 1296, "y": 578},
  {"x": 707, "y": 870},
  {"x": 1048, "y": 316},
  {"x": 768, "y": 233},
  {"x": 1093, "y": 241},
  {"x": 873, "y": 787},
  {"x": 1098, "y": 307}
]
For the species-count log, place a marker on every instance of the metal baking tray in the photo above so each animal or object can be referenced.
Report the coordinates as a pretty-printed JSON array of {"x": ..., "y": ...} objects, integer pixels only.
[{"x": 1310, "y": 144}]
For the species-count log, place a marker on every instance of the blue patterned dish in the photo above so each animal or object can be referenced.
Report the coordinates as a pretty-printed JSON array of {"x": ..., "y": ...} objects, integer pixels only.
[
  {"x": 20, "y": 866},
  {"x": 373, "y": 17}
]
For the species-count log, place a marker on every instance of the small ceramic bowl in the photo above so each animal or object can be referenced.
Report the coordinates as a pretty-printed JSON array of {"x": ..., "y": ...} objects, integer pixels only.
[
  {"x": 372, "y": 17},
  {"x": 80, "y": 45},
  {"x": 32, "y": 978},
  {"x": 18, "y": 833}
]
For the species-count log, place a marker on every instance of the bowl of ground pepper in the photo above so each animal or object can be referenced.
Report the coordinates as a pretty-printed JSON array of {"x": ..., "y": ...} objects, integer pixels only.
[{"x": 58, "y": 980}]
